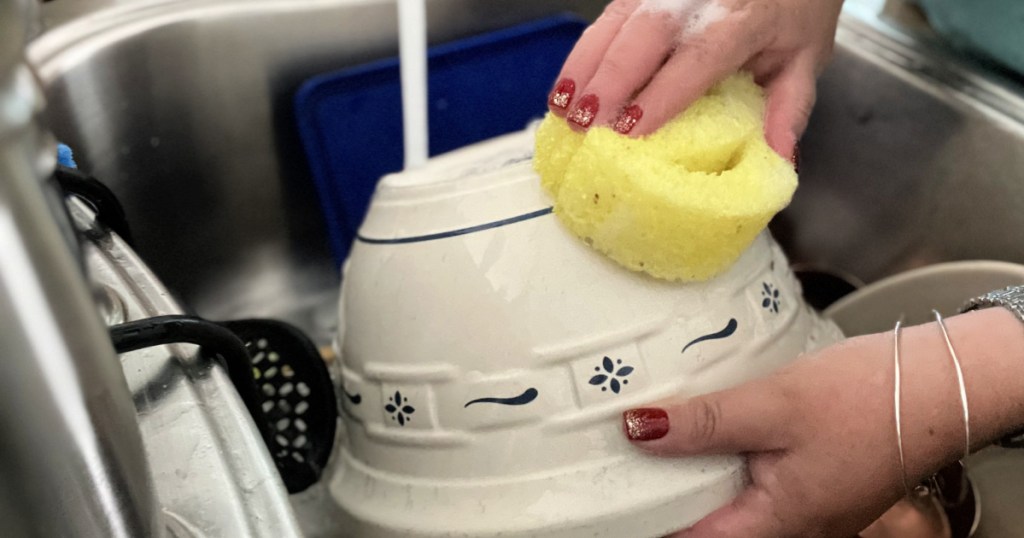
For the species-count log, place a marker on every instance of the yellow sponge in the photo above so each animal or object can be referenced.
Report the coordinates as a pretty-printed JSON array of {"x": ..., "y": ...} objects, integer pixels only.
[{"x": 680, "y": 204}]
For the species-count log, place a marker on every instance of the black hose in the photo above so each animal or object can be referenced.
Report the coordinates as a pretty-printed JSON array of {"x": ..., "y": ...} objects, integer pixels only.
[
  {"x": 161, "y": 330},
  {"x": 213, "y": 338},
  {"x": 109, "y": 210}
]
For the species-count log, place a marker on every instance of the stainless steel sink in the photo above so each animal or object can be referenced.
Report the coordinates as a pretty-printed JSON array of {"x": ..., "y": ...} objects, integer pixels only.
[
  {"x": 184, "y": 109},
  {"x": 911, "y": 158}
]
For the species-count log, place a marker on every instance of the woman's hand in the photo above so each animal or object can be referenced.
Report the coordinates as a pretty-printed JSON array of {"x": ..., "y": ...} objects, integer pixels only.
[
  {"x": 644, "y": 61},
  {"x": 820, "y": 435}
]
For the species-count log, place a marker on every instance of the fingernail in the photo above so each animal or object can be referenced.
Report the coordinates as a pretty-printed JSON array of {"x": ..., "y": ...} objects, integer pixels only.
[
  {"x": 796, "y": 158},
  {"x": 627, "y": 120},
  {"x": 562, "y": 94},
  {"x": 645, "y": 424},
  {"x": 583, "y": 113}
]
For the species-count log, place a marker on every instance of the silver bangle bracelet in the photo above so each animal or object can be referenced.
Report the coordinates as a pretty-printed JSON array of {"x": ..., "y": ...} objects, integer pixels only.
[
  {"x": 897, "y": 397},
  {"x": 960, "y": 383},
  {"x": 897, "y": 388}
]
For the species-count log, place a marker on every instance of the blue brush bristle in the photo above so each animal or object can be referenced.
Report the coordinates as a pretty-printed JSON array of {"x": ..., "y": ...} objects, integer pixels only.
[{"x": 65, "y": 157}]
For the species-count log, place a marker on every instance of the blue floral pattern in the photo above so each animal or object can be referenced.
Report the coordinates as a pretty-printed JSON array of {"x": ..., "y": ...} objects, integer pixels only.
[
  {"x": 770, "y": 297},
  {"x": 615, "y": 379},
  {"x": 399, "y": 408}
]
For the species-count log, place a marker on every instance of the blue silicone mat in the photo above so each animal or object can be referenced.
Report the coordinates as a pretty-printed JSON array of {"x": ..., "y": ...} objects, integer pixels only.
[{"x": 480, "y": 87}]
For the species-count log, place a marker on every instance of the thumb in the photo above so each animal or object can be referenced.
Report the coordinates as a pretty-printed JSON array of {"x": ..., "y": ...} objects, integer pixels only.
[
  {"x": 749, "y": 418},
  {"x": 791, "y": 96}
]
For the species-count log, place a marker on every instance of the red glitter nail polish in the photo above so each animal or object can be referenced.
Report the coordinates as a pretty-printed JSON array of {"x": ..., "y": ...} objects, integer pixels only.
[
  {"x": 645, "y": 424},
  {"x": 627, "y": 120},
  {"x": 561, "y": 96},
  {"x": 583, "y": 113},
  {"x": 796, "y": 158}
]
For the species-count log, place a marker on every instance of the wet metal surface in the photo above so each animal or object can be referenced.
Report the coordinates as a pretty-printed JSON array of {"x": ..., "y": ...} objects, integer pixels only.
[{"x": 211, "y": 471}]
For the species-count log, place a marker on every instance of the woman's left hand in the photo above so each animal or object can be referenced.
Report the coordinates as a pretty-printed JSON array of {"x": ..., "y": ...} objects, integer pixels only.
[
  {"x": 820, "y": 435},
  {"x": 817, "y": 437}
]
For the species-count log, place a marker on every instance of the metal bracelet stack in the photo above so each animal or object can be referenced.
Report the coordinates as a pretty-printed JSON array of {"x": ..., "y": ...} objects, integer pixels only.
[{"x": 897, "y": 390}]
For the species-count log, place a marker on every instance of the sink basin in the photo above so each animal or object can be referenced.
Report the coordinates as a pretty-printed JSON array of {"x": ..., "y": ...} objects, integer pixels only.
[
  {"x": 910, "y": 159},
  {"x": 184, "y": 109}
]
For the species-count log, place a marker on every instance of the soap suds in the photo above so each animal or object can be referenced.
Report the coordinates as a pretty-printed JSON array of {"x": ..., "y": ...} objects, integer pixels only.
[
  {"x": 695, "y": 16},
  {"x": 676, "y": 8},
  {"x": 700, "y": 20}
]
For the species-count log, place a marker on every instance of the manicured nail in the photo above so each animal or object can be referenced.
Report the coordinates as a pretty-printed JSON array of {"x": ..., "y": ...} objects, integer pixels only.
[
  {"x": 583, "y": 113},
  {"x": 645, "y": 424},
  {"x": 562, "y": 95},
  {"x": 796, "y": 158},
  {"x": 627, "y": 120}
]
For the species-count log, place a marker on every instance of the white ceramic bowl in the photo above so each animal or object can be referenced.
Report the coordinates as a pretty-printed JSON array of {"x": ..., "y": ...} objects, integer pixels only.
[{"x": 487, "y": 355}]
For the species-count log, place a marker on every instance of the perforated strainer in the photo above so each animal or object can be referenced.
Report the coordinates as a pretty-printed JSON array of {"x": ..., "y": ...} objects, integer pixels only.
[{"x": 296, "y": 397}]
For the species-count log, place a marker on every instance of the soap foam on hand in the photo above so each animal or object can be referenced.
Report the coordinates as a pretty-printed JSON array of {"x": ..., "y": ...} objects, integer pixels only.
[
  {"x": 694, "y": 16},
  {"x": 681, "y": 204}
]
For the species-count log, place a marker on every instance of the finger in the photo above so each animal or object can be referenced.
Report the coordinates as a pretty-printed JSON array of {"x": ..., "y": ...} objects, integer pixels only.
[
  {"x": 636, "y": 53},
  {"x": 751, "y": 515},
  {"x": 753, "y": 417},
  {"x": 791, "y": 96},
  {"x": 697, "y": 64},
  {"x": 586, "y": 55}
]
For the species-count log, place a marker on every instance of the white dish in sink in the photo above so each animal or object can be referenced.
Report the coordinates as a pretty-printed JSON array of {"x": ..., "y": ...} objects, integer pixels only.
[
  {"x": 487, "y": 356},
  {"x": 913, "y": 294}
]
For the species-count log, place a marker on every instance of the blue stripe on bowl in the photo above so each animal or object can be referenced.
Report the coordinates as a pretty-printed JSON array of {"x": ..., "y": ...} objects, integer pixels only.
[{"x": 458, "y": 232}]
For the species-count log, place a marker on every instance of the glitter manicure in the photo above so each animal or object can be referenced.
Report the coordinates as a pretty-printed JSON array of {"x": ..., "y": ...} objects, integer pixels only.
[
  {"x": 627, "y": 120},
  {"x": 562, "y": 94},
  {"x": 583, "y": 113},
  {"x": 645, "y": 424}
]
